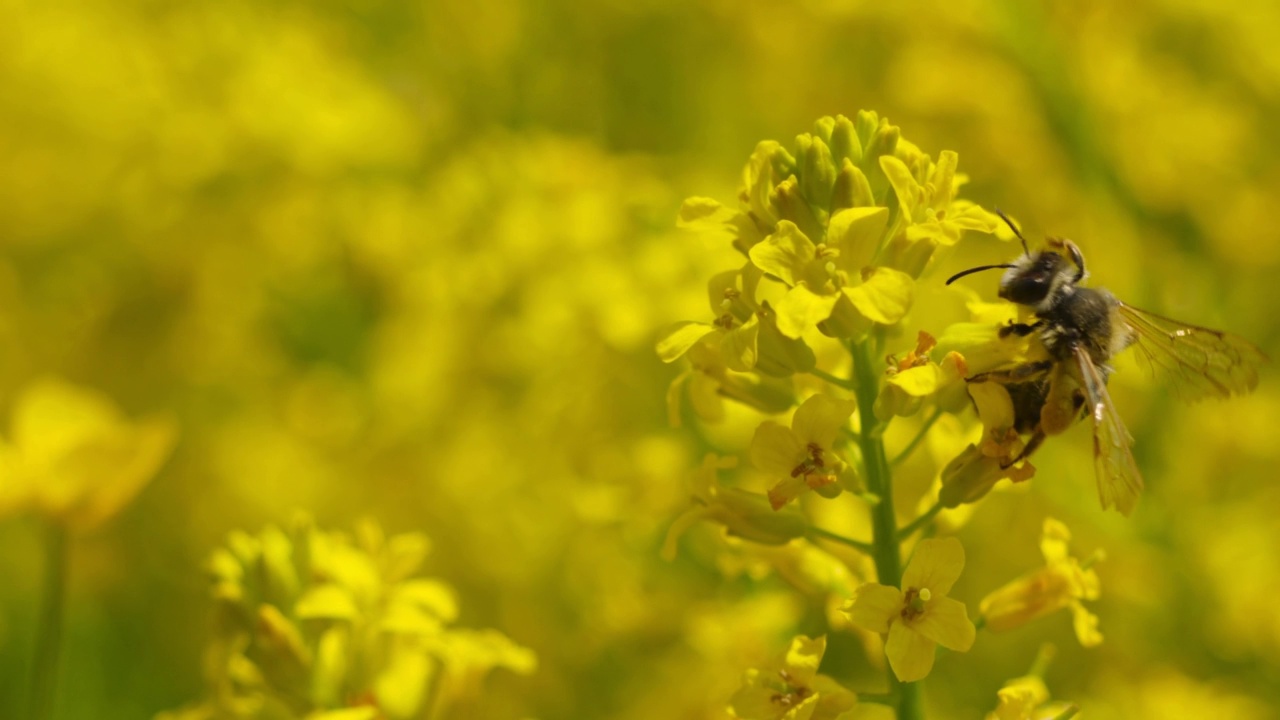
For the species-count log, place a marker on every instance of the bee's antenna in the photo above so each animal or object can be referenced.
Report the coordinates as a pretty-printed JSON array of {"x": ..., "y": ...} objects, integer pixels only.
[
  {"x": 1015, "y": 230},
  {"x": 980, "y": 268}
]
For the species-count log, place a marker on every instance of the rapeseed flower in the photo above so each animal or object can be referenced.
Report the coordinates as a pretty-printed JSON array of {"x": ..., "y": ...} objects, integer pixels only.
[
  {"x": 920, "y": 616},
  {"x": 1062, "y": 583},
  {"x": 74, "y": 458},
  {"x": 326, "y": 624},
  {"x": 793, "y": 689},
  {"x": 743, "y": 513},
  {"x": 803, "y": 456}
]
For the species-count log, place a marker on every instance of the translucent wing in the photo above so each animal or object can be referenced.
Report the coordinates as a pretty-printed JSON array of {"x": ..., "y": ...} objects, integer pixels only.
[
  {"x": 1119, "y": 481},
  {"x": 1196, "y": 362}
]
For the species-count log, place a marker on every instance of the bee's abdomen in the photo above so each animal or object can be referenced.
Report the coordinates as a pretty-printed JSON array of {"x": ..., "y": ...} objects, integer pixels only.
[{"x": 1028, "y": 399}]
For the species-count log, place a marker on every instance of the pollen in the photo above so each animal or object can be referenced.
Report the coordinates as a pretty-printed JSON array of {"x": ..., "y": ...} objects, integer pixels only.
[{"x": 925, "y": 595}]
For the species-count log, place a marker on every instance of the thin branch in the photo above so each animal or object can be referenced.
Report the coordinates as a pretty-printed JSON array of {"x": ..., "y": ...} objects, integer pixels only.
[
  {"x": 817, "y": 532},
  {"x": 915, "y": 441},
  {"x": 833, "y": 379},
  {"x": 920, "y": 522}
]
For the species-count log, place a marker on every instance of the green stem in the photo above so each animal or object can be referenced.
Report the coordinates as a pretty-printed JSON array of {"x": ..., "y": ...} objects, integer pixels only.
[
  {"x": 833, "y": 379},
  {"x": 920, "y": 522},
  {"x": 915, "y": 441},
  {"x": 884, "y": 522},
  {"x": 817, "y": 532},
  {"x": 430, "y": 708},
  {"x": 49, "y": 632},
  {"x": 1043, "y": 658}
]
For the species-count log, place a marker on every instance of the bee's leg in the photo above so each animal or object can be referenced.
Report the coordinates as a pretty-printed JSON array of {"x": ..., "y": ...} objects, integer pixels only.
[
  {"x": 1022, "y": 373},
  {"x": 1037, "y": 439},
  {"x": 1020, "y": 329}
]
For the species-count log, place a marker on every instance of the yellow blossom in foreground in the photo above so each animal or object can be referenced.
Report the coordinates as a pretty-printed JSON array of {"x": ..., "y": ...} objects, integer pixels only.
[
  {"x": 75, "y": 458},
  {"x": 803, "y": 454},
  {"x": 793, "y": 690},
  {"x": 1062, "y": 583},
  {"x": 972, "y": 473},
  {"x": 916, "y": 378},
  {"x": 920, "y": 616}
]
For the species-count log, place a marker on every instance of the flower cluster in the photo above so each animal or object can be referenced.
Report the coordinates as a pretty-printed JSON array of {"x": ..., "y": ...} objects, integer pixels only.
[
  {"x": 333, "y": 626},
  {"x": 839, "y": 237}
]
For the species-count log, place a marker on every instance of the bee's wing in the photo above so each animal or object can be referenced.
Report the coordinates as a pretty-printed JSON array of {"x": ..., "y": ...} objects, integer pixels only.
[
  {"x": 1119, "y": 481},
  {"x": 1197, "y": 362}
]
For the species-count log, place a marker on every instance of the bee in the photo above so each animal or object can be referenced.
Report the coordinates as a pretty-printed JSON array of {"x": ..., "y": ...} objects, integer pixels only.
[{"x": 1082, "y": 329}]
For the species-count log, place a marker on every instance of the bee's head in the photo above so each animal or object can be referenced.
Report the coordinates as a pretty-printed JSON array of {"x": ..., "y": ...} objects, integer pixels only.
[{"x": 1039, "y": 278}]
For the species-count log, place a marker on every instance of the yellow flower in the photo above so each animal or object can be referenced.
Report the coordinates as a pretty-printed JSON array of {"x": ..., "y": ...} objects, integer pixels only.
[
  {"x": 1027, "y": 698},
  {"x": 708, "y": 381},
  {"x": 793, "y": 690},
  {"x": 745, "y": 332},
  {"x": 319, "y": 621},
  {"x": 75, "y": 458},
  {"x": 743, "y": 513},
  {"x": 916, "y": 378},
  {"x": 972, "y": 473},
  {"x": 804, "y": 454},
  {"x": 1062, "y": 583},
  {"x": 920, "y": 616}
]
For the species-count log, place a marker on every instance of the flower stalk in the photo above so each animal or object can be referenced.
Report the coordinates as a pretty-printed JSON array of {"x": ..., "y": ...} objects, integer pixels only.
[
  {"x": 49, "y": 631},
  {"x": 884, "y": 523}
]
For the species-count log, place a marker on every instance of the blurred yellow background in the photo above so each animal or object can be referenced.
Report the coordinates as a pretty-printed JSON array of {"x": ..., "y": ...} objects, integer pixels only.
[{"x": 407, "y": 261}]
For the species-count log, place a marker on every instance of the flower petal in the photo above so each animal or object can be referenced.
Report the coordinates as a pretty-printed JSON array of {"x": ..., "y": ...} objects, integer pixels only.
[
  {"x": 679, "y": 338},
  {"x": 874, "y": 606},
  {"x": 787, "y": 489},
  {"x": 909, "y": 192},
  {"x": 910, "y": 653},
  {"x": 884, "y": 297},
  {"x": 995, "y": 406},
  {"x": 820, "y": 418},
  {"x": 856, "y": 233},
  {"x": 1054, "y": 541},
  {"x": 1086, "y": 625},
  {"x": 703, "y": 213},
  {"x": 946, "y": 622},
  {"x": 740, "y": 346},
  {"x": 784, "y": 253},
  {"x": 775, "y": 449},
  {"x": 936, "y": 565},
  {"x": 919, "y": 381},
  {"x": 801, "y": 309},
  {"x": 803, "y": 658}
]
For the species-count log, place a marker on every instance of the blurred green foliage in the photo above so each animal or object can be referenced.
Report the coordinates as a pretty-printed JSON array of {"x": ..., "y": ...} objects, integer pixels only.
[{"x": 407, "y": 261}]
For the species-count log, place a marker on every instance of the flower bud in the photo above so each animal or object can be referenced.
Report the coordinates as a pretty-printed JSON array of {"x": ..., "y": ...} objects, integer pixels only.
[
  {"x": 846, "y": 148},
  {"x": 790, "y": 203},
  {"x": 817, "y": 173}
]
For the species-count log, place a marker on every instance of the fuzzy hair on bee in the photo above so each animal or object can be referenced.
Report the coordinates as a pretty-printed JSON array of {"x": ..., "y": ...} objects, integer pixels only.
[{"x": 1082, "y": 329}]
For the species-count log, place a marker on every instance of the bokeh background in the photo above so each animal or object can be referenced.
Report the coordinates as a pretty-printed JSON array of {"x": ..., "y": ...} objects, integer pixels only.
[{"x": 408, "y": 260}]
